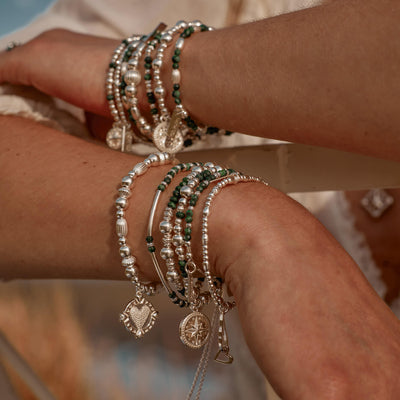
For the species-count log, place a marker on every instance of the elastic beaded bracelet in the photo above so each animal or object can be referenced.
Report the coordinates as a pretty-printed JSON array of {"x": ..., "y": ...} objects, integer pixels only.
[
  {"x": 167, "y": 125},
  {"x": 223, "y": 355},
  {"x": 139, "y": 315},
  {"x": 165, "y": 228},
  {"x": 120, "y": 133}
]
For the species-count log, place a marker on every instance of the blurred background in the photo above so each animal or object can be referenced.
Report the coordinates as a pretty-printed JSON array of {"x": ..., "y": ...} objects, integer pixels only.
[{"x": 15, "y": 14}]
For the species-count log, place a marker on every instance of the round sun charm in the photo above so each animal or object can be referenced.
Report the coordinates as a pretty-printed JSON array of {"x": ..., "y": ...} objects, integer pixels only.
[
  {"x": 194, "y": 330},
  {"x": 139, "y": 316},
  {"x": 114, "y": 138},
  {"x": 160, "y": 139}
]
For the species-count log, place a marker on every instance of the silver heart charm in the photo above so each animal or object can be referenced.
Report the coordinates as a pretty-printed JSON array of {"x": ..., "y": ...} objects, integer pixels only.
[{"x": 139, "y": 316}]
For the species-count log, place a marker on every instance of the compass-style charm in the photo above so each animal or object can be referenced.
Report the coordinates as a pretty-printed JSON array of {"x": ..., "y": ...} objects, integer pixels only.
[
  {"x": 139, "y": 316},
  {"x": 170, "y": 144},
  {"x": 194, "y": 330}
]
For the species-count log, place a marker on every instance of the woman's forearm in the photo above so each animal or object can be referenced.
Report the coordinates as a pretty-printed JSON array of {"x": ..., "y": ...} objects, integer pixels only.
[{"x": 327, "y": 76}]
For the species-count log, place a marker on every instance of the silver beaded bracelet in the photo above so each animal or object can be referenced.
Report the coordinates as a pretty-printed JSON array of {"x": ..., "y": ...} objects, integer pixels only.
[{"x": 139, "y": 315}]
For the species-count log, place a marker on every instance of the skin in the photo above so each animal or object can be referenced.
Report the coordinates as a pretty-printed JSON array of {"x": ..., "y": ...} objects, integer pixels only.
[{"x": 315, "y": 326}]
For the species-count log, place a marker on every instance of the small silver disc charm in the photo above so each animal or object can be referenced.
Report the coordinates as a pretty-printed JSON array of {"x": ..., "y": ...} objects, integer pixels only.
[
  {"x": 139, "y": 316},
  {"x": 160, "y": 137},
  {"x": 114, "y": 138},
  {"x": 194, "y": 330}
]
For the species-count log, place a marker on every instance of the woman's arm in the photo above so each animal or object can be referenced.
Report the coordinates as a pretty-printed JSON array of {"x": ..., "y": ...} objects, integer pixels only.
[
  {"x": 327, "y": 75},
  {"x": 314, "y": 325}
]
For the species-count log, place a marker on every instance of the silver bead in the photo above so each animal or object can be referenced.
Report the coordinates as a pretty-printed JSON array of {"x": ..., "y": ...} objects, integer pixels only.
[
  {"x": 209, "y": 165},
  {"x": 152, "y": 158},
  {"x": 176, "y": 76},
  {"x": 206, "y": 210},
  {"x": 165, "y": 227},
  {"x": 132, "y": 77},
  {"x": 124, "y": 192},
  {"x": 121, "y": 202},
  {"x": 192, "y": 183},
  {"x": 196, "y": 23},
  {"x": 166, "y": 38},
  {"x": 124, "y": 251},
  {"x": 135, "y": 112},
  {"x": 131, "y": 90},
  {"x": 141, "y": 122},
  {"x": 179, "y": 251},
  {"x": 166, "y": 253},
  {"x": 197, "y": 170},
  {"x": 124, "y": 68},
  {"x": 157, "y": 63},
  {"x": 159, "y": 91},
  {"x": 121, "y": 227},
  {"x": 177, "y": 240},
  {"x": 122, "y": 241},
  {"x": 130, "y": 271},
  {"x": 140, "y": 169},
  {"x": 181, "y": 24},
  {"x": 128, "y": 261},
  {"x": 120, "y": 213},
  {"x": 186, "y": 191},
  {"x": 204, "y": 239},
  {"x": 126, "y": 181},
  {"x": 179, "y": 43},
  {"x": 172, "y": 275}
]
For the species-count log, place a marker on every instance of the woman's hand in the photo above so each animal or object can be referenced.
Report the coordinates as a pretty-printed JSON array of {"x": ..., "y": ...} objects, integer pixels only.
[{"x": 63, "y": 64}]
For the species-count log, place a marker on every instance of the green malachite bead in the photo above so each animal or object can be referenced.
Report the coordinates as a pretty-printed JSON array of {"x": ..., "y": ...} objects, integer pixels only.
[
  {"x": 194, "y": 197},
  {"x": 176, "y": 86},
  {"x": 176, "y": 193},
  {"x": 185, "y": 180},
  {"x": 148, "y": 60},
  {"x": 171, "y": 173},
  {"x": 149, "y": 239},
  {"x": 189, "y": 212},
  {"x": 174, "y": 199},
  {"x": 231, "y": 171},
  {"x": 172, "y": 205},
  {"x": 181, "y": 166},
  {"x": 176, "y": 301},
  {"x": 151, "y": 249},
  {"x": 187, "y": 238},
  {"x": 177, "y": 52},
  {"x": 175, "y": 66},
  {"x": 123, "y": 85},
  {"x": 112, "y": 65},
  {"x": 213, "y": 177},
  {"x": 122, "y": 92},
  {"x": 161, "y": 187},
  {"x": 182, "y": 304},
  {"x": 228, "y": 133},
  {"x": 192, "y": 202},
  {"x": 184, "y": 274},
  {"x": 199, "y": 177},
  {"x": 128, "y": 54},
  {"x": 180, "y": 215},
  {"x": 147, "y": 77},
  {"x": 157, "y": 37},
  {"x": 182, "y": 263},
  {"x": 222, "y": 172},
  {"x": 176, "y": 59},
  {"x": 177, "y": 101},
  {"x": 176, "y": 169},
  {"x": 167, "y": 179},
  {"x": 201, "y": 189},
  {"x": 176, "y": 93},
  {"x": 182, "y": 292},
  {"x": 211, "y": 130},
  {"x": 154, "y": 111},
  {"x": 201, "y": 279},
  {"x": 189, "y": 218},
  {"x": 172, "y": 295},
  {"x": 188, "y": 142},
  {"x": 188, "y": 167},
  {"x": 147, "y": 66},
  {"x": 125, "y": 42},
  {"x": 204, "y": 184},
  {"x": 203, "y": 28},
  {"x": 110, "y": 97},
  {"x": 188, "y": 231},
  {"x": 191, "y": 29},
  {"x": 206, "y": 173}
]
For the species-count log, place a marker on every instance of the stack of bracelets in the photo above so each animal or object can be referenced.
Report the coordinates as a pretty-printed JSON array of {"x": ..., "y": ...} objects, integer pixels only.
[
  {"x": 168, "y": 132},
  {"x": 188, "y": 284}
]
